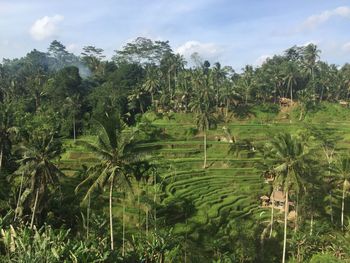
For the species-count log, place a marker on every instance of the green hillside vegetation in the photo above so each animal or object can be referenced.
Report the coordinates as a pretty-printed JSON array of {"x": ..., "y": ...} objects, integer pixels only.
[{"x": 150, "y": 160}]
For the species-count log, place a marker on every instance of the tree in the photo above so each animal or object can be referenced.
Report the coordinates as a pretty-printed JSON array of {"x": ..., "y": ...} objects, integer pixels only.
[
  {"x": 7, "y": 129},
  {"x": 288, "y": 153},
  {"x": 342, "y": 173},
  {"x": 202, "y": 108},
  {"x": 117, "y": 150},
  {"x": 151, "y": 83},
  {"x": 39, "y": 151}
]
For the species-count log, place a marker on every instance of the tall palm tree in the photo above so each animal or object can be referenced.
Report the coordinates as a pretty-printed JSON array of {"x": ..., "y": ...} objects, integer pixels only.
[
  {"x": 201, "y": 106},
  {"x": 291, "y": 77},
  {"x": 73, "y": 103},
  {"x": 342, "y": 173},
  {"x": 7, "y": 129},
  {"x": 288, "y": 154},
  {"x": 37, "y": 166},
  {"x": 152, "y": 82},
  {"x": 117, "y": 150}
]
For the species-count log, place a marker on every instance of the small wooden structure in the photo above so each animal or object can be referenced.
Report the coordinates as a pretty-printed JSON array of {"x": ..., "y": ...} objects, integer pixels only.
[
  {"x": 264, "y": 200},
  {"x": 344, "y": 103},
  {"x": 285, "y": 102}
]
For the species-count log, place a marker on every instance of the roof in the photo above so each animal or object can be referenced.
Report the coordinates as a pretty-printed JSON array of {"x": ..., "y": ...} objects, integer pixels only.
[
  {"x": 264, "y": 197},
  {"x": 278, "y": 196}
]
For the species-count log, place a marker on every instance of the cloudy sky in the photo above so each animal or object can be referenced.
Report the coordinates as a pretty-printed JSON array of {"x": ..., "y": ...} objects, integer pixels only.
[{"x": 234, "y": 32}]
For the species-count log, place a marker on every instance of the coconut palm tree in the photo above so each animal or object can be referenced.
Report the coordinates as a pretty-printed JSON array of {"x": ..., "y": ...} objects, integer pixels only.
[
  {"x": 288, "y": 154},
  {"x": 117, "y": 150},
  {"x": 201, "y": 106},
  {"x": 342, "y": 174},
  {"x": 41, "y": 148},
  {"x": 152, "y": 82},
  {"x": 7, "y": 129}
]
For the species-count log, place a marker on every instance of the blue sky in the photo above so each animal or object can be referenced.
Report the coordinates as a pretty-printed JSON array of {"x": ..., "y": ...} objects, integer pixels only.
[{"x": 233, "y": 32}]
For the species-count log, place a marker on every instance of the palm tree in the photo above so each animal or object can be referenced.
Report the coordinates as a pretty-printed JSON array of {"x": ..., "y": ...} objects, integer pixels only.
[
  {"x": 151, "y": 83},
  {"x": 342, "y": 173},
  {"x": 73, "y": 103},
  {"x": 201, "y": 106},
  {"x": 37, "y": 165},
  {"x": 7, "y": 129},
  {"x": 291, "y": 77},
  {"x": 288, "y": 154},
  {"x": 117, "y": 150}
]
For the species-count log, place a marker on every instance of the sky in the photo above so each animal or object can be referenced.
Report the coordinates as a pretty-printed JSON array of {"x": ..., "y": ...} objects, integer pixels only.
[{"x": 233, "y": 32}]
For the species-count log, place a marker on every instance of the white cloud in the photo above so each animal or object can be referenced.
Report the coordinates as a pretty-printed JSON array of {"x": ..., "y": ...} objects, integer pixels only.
[
  {"x": 45, "y": 27},
  {"x": 260, "y": 60},
  {"x": 206, "y": 50},
  {"x": 346, "y": 46},
  {"x": 73, "y": 47},
  {"x": 315, "y": 20}
]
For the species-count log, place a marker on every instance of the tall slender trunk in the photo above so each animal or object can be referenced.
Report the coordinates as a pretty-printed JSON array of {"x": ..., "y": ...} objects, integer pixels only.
[
  {"x": 291, "y": 93},
  {"x": 331, "y": 205},
  {"x": 19, "y": 196},
  {"x": 343, "y": 206},
  {"x": 154, "y": 201},
  {"x": 296, "y": 214},
  {"x": 34, "y": 208},
  {"x": 74, "y": 130},
  {"x": 311, "y": 224},
  {"x": 147, "y": 221},
  {"x": 205, "y": 148},
  {"x": 272, "y": 214},
  {"x": 110, "y": 213},
  {"x": 123, "y": 251},
  {"x": 227, "y": 106},
  {"x": 88, "y": 218},
  {"x": 286, "y": 208},
  {"x": 1, "y": 156}
]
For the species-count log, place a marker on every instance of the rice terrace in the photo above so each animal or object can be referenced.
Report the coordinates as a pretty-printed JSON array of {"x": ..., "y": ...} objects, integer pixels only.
[{"x": 151, "y": 146}]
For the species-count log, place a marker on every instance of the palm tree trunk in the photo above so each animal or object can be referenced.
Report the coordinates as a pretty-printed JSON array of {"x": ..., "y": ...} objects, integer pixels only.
[
  {"x": 227, "y": 106},
  {"x": 110, "y": 213},
  {"x": 286, "y": 208},
  {"x": 88, "y": 218},
  {"x": 123, "y": 251},
  {"x": 34, "y": 208},
  {"x": 74, "y": 137},
  {"x": 147, "y": 221},
  {"x": 311, "y": 224},
  {"x": 19, "y": 196},
  {"x": 272, "y": 214},
  {"x": 342, "y": 207},
  {"x": 205, "y": 149},
  {"x": 1, "y": 156},
  {"x": 154, "y": 201}
]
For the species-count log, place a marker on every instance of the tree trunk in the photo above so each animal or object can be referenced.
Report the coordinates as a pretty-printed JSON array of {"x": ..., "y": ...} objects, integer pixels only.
[
  {"x": 147, "y": 221},
  {"x": 1, "y": 156},
  {"x": 154, "y": 201},
  {"x": 205, "y": 149},
  {"x": 74, "y": 136},
  {"x": 110, "y": 213},
  {"x": 311, "y": 224},
  {"x": 343, "y": 206},
  {"x": 272, "y": 214},
  {"x": 331, "y": 205},
  {"x": 286, "y": 208},
  {"x": 88, "y": 218},
  {"x": 291, "y": 94},
  {"x": 19, "y": 196},
  {"x": 34, "y": 208},
  {"x": 123, "y": 251},
  {"x": 227, "y": 106}
]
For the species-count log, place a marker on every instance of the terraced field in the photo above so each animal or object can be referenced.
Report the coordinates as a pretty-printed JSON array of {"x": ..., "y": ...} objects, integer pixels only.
[{"x": 227, "y": 190}]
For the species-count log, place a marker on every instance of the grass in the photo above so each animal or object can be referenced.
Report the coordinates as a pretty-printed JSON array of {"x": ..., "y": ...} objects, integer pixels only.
[{"x": 226, "y": 191}]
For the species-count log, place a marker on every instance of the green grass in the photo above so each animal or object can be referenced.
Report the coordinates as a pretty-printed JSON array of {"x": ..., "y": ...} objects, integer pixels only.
[{"x": 226, "y": 191}]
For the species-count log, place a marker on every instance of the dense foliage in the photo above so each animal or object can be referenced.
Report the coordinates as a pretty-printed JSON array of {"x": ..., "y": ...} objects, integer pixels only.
[{"x": 51, "y": 101}]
